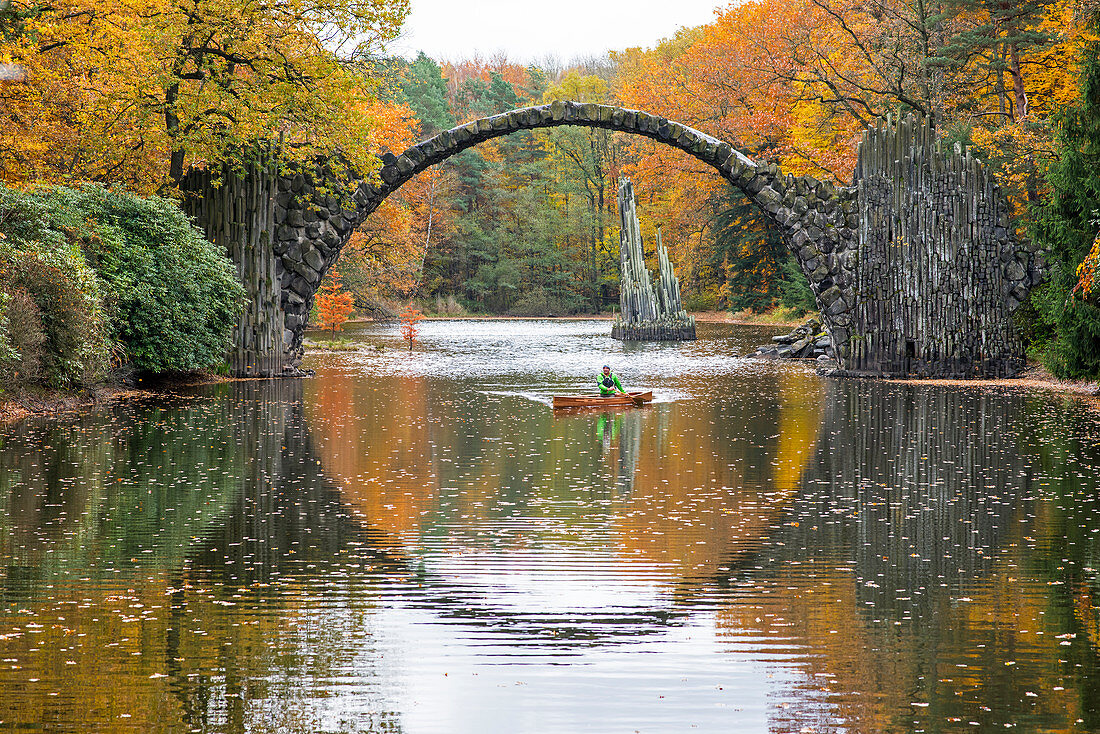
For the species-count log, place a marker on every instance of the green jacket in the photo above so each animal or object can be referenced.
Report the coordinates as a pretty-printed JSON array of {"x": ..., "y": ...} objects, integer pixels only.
[{"x": 609, "y": 390}]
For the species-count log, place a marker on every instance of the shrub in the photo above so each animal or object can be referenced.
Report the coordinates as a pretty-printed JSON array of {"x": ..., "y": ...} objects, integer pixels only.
[
  {"x": 171, "y": 296},
  {"x": 704, "y": 301},
  {"x": 540, "y": 302},
  {"x": 56, "y": 327},
  {"x": 26, "y": 338}
]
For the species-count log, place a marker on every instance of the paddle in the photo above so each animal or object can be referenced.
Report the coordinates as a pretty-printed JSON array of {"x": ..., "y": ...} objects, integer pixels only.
[{"x": 637, "y": 399}]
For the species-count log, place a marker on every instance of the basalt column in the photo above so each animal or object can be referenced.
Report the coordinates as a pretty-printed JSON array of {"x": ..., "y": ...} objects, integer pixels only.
[
  {"x": 939, "y": 270},
  {"x": 649, "y": 312},
  {"x": 235, "y": 207}
]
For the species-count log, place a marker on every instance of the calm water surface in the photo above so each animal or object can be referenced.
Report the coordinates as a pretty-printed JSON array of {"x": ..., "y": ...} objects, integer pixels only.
[{"x": 414, "y": 542}]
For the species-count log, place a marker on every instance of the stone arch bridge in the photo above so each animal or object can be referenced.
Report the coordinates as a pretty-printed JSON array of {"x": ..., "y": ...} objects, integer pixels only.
[{"x": 915, "y": 266}]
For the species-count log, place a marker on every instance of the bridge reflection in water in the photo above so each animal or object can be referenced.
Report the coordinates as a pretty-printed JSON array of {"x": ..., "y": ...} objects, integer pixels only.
[
  {"x": 272, "y": 557},
  {"x": 676, "y": 490},
  {"x": 908, "y": 567}
]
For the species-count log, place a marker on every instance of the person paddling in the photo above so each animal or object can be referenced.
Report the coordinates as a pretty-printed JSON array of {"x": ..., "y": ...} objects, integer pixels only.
[{"x": 608, "y": 383}]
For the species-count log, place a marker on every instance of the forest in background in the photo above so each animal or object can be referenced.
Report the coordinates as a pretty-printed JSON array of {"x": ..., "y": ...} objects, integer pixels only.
[
  {"x": 528, "y": 224},
  {"x": 130, "y": 93}
]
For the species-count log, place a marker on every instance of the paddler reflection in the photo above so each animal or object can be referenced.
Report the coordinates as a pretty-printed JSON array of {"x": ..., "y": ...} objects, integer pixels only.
[{"x": 607, "y": 428}]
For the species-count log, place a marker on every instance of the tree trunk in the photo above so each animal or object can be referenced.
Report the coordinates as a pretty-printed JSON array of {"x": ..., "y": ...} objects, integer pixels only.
[
  {"x": 172, "y": 128},
  {"x": 1017, "y": 81},
  {"x": 999, "y": 54}
]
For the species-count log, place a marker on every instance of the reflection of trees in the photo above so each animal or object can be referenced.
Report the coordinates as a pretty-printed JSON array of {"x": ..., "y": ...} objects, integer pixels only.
[
  {"x": 918, "y": 565},
  {"x": 287, "y": 512},
  {"x": 102, "y": 493},
  {"x": 286, "y": 520},
  {"x": 684, "y": 489},
  {"x": 708, "y": 489},
  {"x": 180, "y": 544},
  {"x": 620, "y": 436}
]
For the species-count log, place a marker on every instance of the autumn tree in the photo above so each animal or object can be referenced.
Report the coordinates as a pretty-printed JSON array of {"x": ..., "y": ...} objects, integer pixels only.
[
  {"x": 409, "y": 329},
  {"x": 137, "y": 90},
  {"x": 334, "y": 304},
  {"x": 1066, "y": 330}
]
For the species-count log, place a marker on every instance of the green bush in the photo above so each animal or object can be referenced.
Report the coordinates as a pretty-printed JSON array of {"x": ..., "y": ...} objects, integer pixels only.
[
  {"x": 172, "y": 298},
  {"x": 540, "y": 302},
  {"x": 704, "y": 301},
  {"x": 55, "y": 330}
]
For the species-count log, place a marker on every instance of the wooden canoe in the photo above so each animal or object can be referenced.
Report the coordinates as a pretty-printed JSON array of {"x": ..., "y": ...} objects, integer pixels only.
[{"x": 598, "y": 401}]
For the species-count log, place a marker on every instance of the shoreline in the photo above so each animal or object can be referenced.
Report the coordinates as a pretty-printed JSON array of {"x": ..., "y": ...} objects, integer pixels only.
[
  {"x": 57, "y": 404},
  {"x": 1033, "y": 377},
  {"x": 703, "y": 317}
]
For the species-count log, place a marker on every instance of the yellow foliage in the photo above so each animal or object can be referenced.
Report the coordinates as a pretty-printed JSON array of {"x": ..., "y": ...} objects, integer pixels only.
[
  {"x": 1086, "y": 271},
  {"x": 122, "y": 90}
]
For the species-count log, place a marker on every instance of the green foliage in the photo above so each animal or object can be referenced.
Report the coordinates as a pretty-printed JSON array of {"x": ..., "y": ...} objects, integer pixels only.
[
  {"x": 174, "y": 296},
  {"x": 425, "y": 90},
  {"x": 133, "y": 271},
  {"x": 1066, "y": 331},
  {"x": 26, "y": 336},
  {"x": 541, "y": 302},
  {"x": 759, "y": 271},
  {"x": 59, "y": 336},
  {"x": 706, "y": 300},
  {"x": 794, "y": 289},
  {"x": 8, "y": 352}
]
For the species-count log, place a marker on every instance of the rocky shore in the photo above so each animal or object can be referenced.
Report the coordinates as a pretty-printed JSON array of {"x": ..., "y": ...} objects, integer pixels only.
[{"x": 808, "y": 341}]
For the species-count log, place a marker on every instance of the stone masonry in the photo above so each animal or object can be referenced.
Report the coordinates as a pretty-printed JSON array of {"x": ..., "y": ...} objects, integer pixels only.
[{"x": 914, "y": 266}]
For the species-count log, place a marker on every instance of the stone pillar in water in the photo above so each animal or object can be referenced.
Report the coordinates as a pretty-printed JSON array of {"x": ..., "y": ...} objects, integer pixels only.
[{"x": 649, "y": 313}]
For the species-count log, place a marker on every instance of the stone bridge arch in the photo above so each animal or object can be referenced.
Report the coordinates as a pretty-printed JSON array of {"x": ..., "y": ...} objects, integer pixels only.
[
  {"x": 818, "y": 220},
  {"x": 915, "y": 224}
]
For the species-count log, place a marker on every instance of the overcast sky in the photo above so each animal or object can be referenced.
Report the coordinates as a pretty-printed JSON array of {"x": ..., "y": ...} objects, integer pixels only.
[{"x": 449, "y": 30}]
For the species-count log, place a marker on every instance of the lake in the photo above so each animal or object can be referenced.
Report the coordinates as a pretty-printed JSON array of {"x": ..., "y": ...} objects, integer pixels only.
[{"x": 413, "y": 541}]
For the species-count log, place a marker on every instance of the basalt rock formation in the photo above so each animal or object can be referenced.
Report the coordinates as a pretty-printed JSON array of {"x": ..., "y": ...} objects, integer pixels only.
[
  {"x": 915, "y": 266},
  {"x": 649, "y": 311}
]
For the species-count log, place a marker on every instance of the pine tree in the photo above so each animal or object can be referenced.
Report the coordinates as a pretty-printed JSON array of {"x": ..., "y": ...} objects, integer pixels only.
[
  {"x": 757, "y": 269},
  {"x": 426, "y": 90},
  {"x": 995, "y": 35},
  {"x": 1066, "y": 333}
]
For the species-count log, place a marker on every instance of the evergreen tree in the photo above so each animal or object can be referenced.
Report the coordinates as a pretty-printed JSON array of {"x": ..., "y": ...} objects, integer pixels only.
[
  {"x": 759, "y": 271},
  {"x": 1066, "y": 330},
  {"x": 996, "y": 35},
  {"x": 426, "y": 91}
]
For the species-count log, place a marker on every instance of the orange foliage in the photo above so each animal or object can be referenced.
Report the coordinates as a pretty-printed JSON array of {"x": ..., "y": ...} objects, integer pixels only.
[
  {"x": 722, "y": 79},
  {"x": 409, "y": 329},
  {"x": 334, "y": 305},
  {"x": 1086, "y": 271},
  {"x": 465, "y": 70},
  {"x": 383, "y": 259}
]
